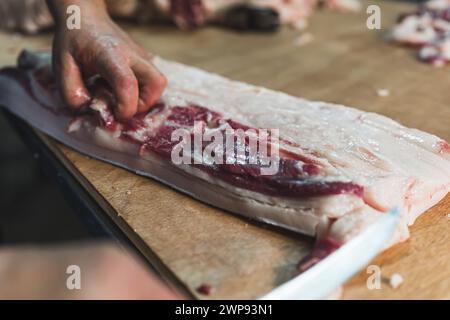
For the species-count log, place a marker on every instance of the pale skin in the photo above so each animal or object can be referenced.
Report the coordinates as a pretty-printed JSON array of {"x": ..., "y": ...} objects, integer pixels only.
[
  {"x": 100, "y": 47},
  {"x": 104, "y": 272}
]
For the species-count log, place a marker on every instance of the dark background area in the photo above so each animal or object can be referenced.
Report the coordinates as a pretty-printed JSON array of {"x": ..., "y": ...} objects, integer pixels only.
[{"x": 32, "y": 206}]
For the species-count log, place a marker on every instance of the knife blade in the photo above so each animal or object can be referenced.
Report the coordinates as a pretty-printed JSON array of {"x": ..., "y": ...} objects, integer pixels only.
[{"x": 329, "y": 274}]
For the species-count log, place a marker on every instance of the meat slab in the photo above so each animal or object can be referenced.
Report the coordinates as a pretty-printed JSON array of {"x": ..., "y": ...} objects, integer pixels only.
[
  {"x": 427, "y": 28},
  {"x": 339, "y": 168},
  {"x": 294, "y": 13},
  {"x": 32, "y": 16}
]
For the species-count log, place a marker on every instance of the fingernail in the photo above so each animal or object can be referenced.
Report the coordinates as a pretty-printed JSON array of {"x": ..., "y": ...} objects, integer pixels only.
[{"x": 82, "y": 94}]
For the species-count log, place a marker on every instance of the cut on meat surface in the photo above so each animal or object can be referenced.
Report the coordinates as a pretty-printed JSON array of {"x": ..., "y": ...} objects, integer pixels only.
[{"x": 339, "y": 168}]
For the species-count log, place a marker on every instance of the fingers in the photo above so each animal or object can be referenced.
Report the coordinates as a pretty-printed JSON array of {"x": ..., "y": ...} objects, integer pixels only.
[
  {"x": 136, "y": 89},
  {"x": 135, "y": 82},
  {"x": 151, "y": 84},
  {"x": 73, "y": 90},
  {"x": 124, "y": 84}
]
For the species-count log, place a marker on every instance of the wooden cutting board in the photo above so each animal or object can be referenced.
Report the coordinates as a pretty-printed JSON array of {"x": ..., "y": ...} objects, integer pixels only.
[{"x": 345, "y": 63}]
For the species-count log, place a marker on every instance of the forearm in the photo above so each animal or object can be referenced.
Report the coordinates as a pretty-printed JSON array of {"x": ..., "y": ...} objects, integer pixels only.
[{"x": 58, "y": 8}]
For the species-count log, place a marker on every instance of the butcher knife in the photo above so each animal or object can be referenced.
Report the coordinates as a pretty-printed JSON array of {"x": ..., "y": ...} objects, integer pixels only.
[{"x": 329, "y": 274}]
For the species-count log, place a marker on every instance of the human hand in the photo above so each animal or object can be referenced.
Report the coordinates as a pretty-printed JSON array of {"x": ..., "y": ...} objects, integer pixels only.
[{"x": 100, "y": 47}]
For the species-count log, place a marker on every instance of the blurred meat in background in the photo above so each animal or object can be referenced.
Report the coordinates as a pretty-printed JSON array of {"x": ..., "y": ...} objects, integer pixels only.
[{"x": 31, "y": 16}]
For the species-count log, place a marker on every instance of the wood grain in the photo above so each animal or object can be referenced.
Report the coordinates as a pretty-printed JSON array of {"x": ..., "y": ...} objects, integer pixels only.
[{"x": 346, "y": 63}]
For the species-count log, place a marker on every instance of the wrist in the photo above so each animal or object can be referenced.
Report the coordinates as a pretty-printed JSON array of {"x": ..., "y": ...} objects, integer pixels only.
[{"x": 88, "y": 8}]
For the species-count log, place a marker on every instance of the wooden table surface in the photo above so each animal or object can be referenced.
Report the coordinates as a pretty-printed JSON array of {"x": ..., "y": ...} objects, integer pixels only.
[{"x": 345, "y": 63}]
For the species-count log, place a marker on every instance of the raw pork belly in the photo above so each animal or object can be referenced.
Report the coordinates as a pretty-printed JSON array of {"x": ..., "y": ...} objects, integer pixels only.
[
  {"x": 195, "y": 13},
  {"x": 428, "y": 29},
  {"x": 340, "y": 168},
  {"x": 356, "y": 165},
  {"x": 293, "y": 12}
]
